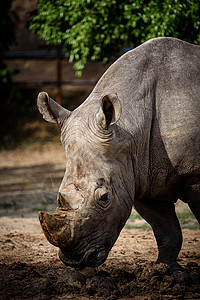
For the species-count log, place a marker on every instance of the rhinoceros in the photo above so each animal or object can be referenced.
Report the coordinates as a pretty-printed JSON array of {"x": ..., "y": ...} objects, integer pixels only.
[{"x": 134, "y": 142}]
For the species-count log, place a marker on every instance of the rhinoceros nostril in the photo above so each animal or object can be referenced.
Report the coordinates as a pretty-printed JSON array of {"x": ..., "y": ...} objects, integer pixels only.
[
  {"x": 92, "y": 259},
  {"x": 96, "y": 258}
]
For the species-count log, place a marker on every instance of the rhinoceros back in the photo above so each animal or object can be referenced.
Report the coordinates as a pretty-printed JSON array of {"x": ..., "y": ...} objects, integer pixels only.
[{"x": 158, "y": 84}]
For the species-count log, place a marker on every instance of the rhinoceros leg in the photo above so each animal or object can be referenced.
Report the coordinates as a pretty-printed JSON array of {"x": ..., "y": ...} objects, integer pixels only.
[
  {"x": 162, "y": 217},
  {"x": 192, "y": 195}
]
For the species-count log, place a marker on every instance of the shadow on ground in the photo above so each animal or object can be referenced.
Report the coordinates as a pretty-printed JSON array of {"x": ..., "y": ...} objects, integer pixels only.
[{"x": 26, "y": 190}]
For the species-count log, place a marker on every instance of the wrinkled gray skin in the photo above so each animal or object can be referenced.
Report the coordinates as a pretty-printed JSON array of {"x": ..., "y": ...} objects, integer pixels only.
[{"x": 135, "y": 141}]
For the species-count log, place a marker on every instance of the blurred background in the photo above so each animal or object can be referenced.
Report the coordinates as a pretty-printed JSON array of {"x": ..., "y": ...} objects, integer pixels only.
[{"x": 30, "y": 65}]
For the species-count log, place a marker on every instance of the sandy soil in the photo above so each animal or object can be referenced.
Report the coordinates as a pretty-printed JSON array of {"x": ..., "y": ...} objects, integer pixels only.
[{"x": 30, "y": 267}]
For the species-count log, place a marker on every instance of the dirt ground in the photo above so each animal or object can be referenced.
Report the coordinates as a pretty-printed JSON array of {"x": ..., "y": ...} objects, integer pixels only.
[{"x": 30, "y": 267}]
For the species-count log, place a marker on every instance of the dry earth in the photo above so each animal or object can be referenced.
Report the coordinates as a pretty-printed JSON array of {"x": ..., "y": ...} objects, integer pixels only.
[{"x": 30, "y": 268}]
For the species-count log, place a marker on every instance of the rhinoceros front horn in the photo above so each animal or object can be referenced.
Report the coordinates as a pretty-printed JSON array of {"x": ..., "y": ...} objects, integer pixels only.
[{"x": 58, "y": 229}]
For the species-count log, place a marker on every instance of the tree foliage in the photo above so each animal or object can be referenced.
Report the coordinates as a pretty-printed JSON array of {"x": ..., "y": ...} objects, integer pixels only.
[{"x": 99, "y": 29}]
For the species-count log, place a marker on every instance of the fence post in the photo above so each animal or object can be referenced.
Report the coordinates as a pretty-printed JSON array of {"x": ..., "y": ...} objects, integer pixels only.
[{"x": 59, "y": 73}]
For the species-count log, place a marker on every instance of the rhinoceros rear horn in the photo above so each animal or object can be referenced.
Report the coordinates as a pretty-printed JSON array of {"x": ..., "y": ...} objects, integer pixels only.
[
  {"x": 110, "y": 111},
  {"x": 51, "y": 110}
]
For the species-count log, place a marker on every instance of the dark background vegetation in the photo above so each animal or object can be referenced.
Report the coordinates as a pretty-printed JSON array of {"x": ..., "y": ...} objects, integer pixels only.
[{"x": 82, "y": 33}]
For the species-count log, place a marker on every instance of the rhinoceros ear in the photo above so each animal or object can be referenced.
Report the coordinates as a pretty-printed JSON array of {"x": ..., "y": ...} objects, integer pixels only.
[
  {"x": 51, "y": 110},
  {"x": 110, "y": 110}
]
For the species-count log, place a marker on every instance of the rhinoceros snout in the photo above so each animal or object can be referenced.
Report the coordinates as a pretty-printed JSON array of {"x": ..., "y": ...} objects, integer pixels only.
[{"x": 57, "y": 228}]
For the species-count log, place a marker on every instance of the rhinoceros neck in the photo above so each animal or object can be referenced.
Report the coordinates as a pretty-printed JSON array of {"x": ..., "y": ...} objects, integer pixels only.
[
  {"x": 135, "y": 122},
  {"x": 146, "y": 81}
]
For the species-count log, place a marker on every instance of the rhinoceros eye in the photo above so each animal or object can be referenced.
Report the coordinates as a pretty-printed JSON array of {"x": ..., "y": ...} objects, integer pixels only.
[
  {"x": 104, "y": 200},
  {"x": 102, "y": 197}
]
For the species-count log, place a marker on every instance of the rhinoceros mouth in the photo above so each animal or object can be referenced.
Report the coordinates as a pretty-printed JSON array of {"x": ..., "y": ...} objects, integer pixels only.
[{"x": 91, "y": 258}]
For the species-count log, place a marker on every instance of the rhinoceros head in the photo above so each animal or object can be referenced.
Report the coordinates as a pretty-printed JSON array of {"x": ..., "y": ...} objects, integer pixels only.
[{"x": 94, "y": 199}]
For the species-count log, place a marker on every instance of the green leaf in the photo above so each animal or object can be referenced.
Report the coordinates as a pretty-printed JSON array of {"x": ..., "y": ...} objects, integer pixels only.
[{"x": 98, "y": 30}]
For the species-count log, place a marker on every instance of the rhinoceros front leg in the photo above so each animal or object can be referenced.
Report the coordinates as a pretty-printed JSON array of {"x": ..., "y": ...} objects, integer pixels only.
[{"x": 162, "y": 217}]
